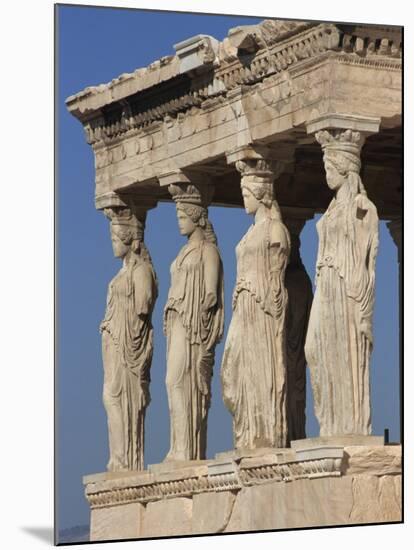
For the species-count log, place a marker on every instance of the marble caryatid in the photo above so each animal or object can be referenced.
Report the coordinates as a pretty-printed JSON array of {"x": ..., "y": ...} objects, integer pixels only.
[
  {"x": 339, "y": 339},
  {"x": 127, "y": 340},
  {"x": 193, "y": 324},
  {"x": 254, "y": 376}
]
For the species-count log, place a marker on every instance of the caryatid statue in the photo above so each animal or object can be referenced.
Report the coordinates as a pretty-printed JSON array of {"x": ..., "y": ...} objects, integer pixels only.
[
  {"x": 339, "y": 339},
  {"x": 193, "y": 323},
  {"x": 254, "y": 374},
  {"x": 127, "y": 340}
]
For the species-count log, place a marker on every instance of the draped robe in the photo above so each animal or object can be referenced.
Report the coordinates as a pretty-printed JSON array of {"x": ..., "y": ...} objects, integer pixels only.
[
  {"x": 254, "y": 360},
  {"x": 339, "y": 339},
  {"x": 192, "y": 330},
  {"x": 127, "y": 347}
]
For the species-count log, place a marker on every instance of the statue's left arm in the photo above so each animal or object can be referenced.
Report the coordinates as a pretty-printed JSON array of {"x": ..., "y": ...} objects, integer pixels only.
[
  {"x": 141, "y": 328},
  {"x": 143, "y": 290},
  {"x": 366, "y": 248},
  {"x": 211, "y": 327},
  {"x": 279, "y": 249},
  {"x": 211, "y": 264}
]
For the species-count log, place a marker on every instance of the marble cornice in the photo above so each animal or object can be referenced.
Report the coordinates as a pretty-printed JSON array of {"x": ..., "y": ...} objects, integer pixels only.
[{"x": 154, "y": 94}]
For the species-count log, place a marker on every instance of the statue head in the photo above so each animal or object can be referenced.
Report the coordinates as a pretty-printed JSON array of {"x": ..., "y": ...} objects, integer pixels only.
[
  {"x": 190, "y": 217},
  {"x": 257, "y": 185},
  {"x": 127, "y": 231},
  {"x": 191, "y": 203},
  {"x": 341, "y": 157},
  {"x": 255, "y": 193}
]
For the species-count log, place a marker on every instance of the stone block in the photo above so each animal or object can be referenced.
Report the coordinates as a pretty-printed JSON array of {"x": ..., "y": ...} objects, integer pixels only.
[
  {"x": 212, "y": 511},
  {"x": 301, "y": 503},
  {"x": 390, "y": 497},
  {"x": 168, "y": 517},
  {"x": 372, "y": 460},
  {"x": 117, "y": 522},
  {"x": 375, "y": 499}
]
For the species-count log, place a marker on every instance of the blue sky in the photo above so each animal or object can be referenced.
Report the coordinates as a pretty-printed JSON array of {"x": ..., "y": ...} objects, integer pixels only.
[{"x": 94, "y": 46}]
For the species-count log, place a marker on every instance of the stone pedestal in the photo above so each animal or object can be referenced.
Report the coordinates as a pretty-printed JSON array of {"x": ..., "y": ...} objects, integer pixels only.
[{"x": 326, "y": 483}]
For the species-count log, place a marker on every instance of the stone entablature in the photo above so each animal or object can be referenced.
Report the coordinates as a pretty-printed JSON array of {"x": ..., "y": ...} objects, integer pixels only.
[
  {"x": 277, "y": 52},
  {"x": 263, "y": 83}
]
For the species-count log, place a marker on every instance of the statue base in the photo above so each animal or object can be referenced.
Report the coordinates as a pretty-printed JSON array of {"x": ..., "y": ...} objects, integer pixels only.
[{"x": 317, "y": 484}]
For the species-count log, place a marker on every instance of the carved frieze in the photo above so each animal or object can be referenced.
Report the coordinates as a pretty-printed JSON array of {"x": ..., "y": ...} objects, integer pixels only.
[{"x": 146, "y": 490}]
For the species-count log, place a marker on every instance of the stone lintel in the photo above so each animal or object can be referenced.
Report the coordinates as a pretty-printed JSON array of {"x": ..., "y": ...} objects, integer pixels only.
[
  {"x": 112, "y": 199},
  {"x": 332, "y": 121},
  {"x": 336, "y": 441}
]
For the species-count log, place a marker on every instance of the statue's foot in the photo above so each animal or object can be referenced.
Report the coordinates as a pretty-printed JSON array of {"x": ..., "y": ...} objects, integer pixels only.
[
  {"x": 173, "y": 456},
  {"x": 114, "y": 466}
]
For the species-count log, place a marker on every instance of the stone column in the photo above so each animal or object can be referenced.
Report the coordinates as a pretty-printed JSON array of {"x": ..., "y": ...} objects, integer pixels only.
[
  {"x": 254, "y": 376},
  {"x": 193, "y": 317},
  {"x": 300, "y": 295},
  {"x": 127, "y": 333},
  {"x": 339, "y": 339},
  {"x": 395, "y": 229}
]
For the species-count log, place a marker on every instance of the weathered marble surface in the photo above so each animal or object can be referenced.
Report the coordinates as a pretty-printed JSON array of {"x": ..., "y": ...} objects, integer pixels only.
[
  {"x": 253, "y": 370},
  {"x": 339, "y": 339},
  {"x": 193, "y": 324},
  {"x": 117, "y": 522},
  {"x": 127, "y": 340},
  {"x": 275, "y": 490}
]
